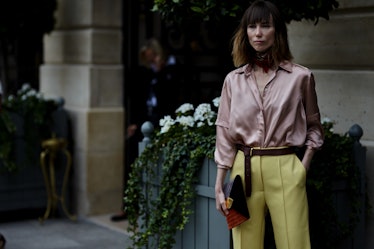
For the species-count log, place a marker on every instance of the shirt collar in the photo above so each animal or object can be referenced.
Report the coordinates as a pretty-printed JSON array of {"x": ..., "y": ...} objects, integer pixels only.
[
  {"x": 286, "y": 65},
  {"x": 247, "y": 68}
]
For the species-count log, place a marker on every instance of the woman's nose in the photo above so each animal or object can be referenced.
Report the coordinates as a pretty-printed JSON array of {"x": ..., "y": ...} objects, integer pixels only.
[{"x": 258, "y": 31}]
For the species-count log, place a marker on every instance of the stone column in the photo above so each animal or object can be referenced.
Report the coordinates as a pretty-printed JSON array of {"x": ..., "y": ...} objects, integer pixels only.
[{"x": 82, "y": 63}]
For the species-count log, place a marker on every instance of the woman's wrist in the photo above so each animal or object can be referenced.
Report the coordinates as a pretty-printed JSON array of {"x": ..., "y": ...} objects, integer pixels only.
[{"x": 307, "y": 159}]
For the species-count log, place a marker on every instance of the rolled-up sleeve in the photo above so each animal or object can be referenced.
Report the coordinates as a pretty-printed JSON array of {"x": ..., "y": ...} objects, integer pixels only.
[
  {"x": 314, "y": 136},
  {"x": 225, "y": 150}
]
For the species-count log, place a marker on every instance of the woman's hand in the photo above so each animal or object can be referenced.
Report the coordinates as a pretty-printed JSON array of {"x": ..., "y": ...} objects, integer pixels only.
[
  {"x": 307, "y": 159},
  {"x": 220, "y": 195}
]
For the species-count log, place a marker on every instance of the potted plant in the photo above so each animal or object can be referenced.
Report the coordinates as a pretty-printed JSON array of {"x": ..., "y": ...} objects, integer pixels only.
[
  {"x": 25, "y": 121},
  {"x": 181, "y": 145},
  {"x": 26, "y": 115}
]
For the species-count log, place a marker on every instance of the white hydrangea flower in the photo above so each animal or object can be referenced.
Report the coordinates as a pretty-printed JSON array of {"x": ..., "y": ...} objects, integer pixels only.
[
  {"x": 166, "y": 123},
  {"x": 39, "y": 95},
  {"x": 326, "y": 120},
  {"x": 31, "y": 93},
  {"x": 200, "y": 124},
  {"x": 184, "y": 108},
  {"x": 165, "y": 129},
  {"x": 204, "y": 113},
  {"x": 10, "y": 97},
  {"x": 167, "y": 119},
  {"x": 216, "y": 101},
  {"x": 210, "y": 122},
  {"x": 186, "y": 121},
  {"x": 25, "y": 87}
]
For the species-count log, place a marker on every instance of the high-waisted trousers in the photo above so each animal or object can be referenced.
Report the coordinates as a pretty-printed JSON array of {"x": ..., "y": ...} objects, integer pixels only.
[{"x": 278, "y": 187}]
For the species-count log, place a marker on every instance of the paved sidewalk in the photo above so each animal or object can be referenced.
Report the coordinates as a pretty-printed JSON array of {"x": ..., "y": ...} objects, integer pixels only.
[{"x": 65, "y": 234}]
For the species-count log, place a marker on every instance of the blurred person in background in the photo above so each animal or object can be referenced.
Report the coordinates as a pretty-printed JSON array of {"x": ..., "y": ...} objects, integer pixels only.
[{"x": 154, "y": 90}]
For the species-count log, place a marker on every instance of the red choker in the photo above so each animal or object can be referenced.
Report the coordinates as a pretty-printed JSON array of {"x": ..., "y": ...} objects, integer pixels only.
[{"x": 263, "y": 61}]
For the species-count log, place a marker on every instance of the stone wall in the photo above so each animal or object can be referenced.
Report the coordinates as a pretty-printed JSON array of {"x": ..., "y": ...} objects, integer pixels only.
[
  {"x": 340, "y": 52},
  {"x": 82, "y": 63}
]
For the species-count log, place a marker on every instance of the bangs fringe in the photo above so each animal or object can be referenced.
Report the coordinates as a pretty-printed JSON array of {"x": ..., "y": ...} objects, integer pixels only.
[{"x": 259, "y": 14}]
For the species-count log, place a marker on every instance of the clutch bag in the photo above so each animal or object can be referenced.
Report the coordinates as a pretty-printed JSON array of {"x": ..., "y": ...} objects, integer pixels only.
[{"x": 236, "y": 202}]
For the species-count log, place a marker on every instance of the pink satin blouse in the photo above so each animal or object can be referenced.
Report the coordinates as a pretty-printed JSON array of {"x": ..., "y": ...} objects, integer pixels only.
[{"x": 287, "y": 114}]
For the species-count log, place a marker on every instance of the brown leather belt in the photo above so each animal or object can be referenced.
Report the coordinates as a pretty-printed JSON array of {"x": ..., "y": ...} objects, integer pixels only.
[{"x": 250, "y": 151}]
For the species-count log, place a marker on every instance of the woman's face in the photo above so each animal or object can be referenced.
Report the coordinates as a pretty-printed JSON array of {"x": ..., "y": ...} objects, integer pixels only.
[{"x": 261, "y": 35}]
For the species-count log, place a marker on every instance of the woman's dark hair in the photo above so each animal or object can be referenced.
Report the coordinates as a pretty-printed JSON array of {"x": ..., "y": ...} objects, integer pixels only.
[{"x": 260, "y": 11}]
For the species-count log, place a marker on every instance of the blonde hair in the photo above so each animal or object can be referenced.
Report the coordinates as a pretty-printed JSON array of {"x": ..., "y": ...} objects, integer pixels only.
[
  {"x": 242, "y": 51},
  {"x": 152, "y": 45}
]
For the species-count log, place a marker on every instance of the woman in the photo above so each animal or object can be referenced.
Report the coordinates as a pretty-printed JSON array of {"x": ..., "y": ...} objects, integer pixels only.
[{"x": 268, "y": 108}]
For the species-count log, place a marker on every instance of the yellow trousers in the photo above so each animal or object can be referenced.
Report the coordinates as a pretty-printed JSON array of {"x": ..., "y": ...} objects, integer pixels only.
[{"x": 278, "y": 187}]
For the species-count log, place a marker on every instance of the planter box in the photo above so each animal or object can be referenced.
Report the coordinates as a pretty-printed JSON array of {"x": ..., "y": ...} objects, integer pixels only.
[
  {"x": 22, "y": 190},
  {"x": 207, "y": 228},
  {"x": 25, "y": 189}
]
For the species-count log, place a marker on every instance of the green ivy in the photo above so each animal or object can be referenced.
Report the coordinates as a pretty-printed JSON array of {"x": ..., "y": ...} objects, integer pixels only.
[
  {"x": 8, "y": 130},
  {"x": 162, "y": 214}
]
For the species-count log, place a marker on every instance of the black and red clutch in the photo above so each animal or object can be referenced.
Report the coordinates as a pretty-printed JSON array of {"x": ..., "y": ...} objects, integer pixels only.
[{"x": 236, "y": 202}]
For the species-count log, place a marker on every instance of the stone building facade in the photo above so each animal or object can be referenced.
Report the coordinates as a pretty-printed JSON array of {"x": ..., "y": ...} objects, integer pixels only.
[{"x": 82, "y": 63}]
